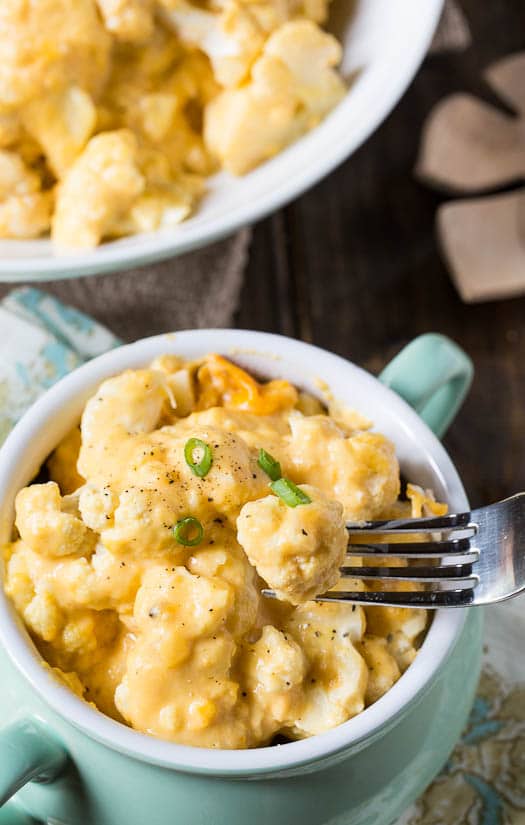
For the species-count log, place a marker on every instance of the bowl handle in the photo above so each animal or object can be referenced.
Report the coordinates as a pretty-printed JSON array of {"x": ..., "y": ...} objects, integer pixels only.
[
  {"x": 433, "y": 375},
  {"x": 28, "y": 753}
]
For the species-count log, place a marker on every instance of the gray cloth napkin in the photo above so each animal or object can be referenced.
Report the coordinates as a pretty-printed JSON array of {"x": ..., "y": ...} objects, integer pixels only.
[{"x": 197, "y": 290}]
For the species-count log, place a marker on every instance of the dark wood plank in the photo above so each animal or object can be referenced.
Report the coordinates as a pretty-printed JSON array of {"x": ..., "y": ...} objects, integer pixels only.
[{"x": 355, "y": 267}]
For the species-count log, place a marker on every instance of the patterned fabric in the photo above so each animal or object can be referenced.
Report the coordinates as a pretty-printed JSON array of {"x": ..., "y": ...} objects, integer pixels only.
[
  {"x": 483, "y": 782},
  {"x": 41, "y": 341}
]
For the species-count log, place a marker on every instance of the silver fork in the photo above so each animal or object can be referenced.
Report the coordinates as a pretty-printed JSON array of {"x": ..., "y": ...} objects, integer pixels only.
[{"x": 465, "y": 559}]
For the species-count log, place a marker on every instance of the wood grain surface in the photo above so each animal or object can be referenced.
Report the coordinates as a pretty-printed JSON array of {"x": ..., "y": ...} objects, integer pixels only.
[{"x": 354, "y": 267}]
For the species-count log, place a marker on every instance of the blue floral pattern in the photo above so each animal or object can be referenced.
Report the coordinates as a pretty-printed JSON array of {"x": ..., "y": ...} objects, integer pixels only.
[
  {"x": 42, "y": 341},
  {"x": 483, "y": 782}
]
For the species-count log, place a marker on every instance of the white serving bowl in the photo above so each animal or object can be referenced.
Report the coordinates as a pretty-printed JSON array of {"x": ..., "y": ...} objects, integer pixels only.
[{"x": 384, "y": 43}]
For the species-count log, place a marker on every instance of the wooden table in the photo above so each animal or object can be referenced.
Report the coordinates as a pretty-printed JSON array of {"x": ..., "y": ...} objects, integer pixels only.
[{"x": 354, "y": 267}]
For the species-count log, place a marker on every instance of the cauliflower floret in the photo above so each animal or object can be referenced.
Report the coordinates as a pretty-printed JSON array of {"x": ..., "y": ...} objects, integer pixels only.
[
  {"x": 177, "y": 682},
  {"x": 45, "y": 528},
  {"x": 297, "y": 550},
  {"x": 15, "y": 177},
  {"x": 310, "y": 55},
  {"x": 160, "y": 207},
  {"x": 336, "y": 680},
  {"x": 232, "y": 39},
  {"x": 403, "y": 649},
  {"x": 101, "y": 186},
  {"x": 19, "y": 576},
  {"x": 385, "y": 621},
  {"x": 273, "y": 13},
  {"x": 292, "y": 86},
  {"x": 48, "y": 44},
  {"x": 155, "y": 113},
  {"x": 101, "y": 582},
  {"x": 124, "y": 406},
  {"x": 222, "y": 557},
  {"x": 273, "y": 672},
  {"x": 97, "y": 506},
  {"x": 361, "y": 470},
  {"x": 400, "y": 626},
  {"x": 61, "y": 123},
  {"x": 89, "y": 630},
  {"x": 233, "y": 478},
  {"x": 316, "y": 10},
  {"x": 143, "y": 522},
  {"x": 269, "y": 432},
  {"x": 26, "y": 216},
  {"x": 129, "y": 20},
  {"x": 9, "y": 129},
  {"x": 383, "y": 670},
  {"x": 43, "y": 616}
]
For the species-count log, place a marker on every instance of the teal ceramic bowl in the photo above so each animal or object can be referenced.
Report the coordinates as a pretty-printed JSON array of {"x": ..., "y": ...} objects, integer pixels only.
[{"x": 68, "y": 764}]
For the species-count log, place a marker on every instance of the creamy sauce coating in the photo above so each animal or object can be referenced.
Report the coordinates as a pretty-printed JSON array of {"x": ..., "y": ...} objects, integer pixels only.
[{"x": 159, "y": 621}]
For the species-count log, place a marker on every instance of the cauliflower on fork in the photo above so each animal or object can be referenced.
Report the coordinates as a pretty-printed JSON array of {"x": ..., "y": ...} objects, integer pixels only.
[
  {"x": 297, "y": 550},
  {"x": 102, "y": 184}
]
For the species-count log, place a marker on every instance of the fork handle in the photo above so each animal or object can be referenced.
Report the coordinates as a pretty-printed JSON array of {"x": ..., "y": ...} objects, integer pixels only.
[{"x": 433, "y": 375}]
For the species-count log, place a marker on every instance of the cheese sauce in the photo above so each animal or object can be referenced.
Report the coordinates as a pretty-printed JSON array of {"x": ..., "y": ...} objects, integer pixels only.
[{"x": 138, "y": 567}]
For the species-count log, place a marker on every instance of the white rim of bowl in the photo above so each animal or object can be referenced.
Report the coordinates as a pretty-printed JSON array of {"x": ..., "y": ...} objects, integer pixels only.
[
  {"x": 370, "y": 110},
  {"x": 439, "y": 642}
]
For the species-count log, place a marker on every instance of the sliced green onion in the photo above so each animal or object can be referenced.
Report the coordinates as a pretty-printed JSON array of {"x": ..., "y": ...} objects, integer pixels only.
[
  {"x": 269, "y": 464},
  {"x": 189, "y": 531},
  {"x": 290, "y": 493},
  {"x": 202, "y": 466}
]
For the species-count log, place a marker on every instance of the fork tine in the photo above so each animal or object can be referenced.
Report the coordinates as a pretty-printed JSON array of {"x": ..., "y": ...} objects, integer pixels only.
[
  {"x": 424, "y": 549},
  {"x": 410, "y": 598},
  {"x": 454, "y": 521},
  {"x": 418, "y": 573}
]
